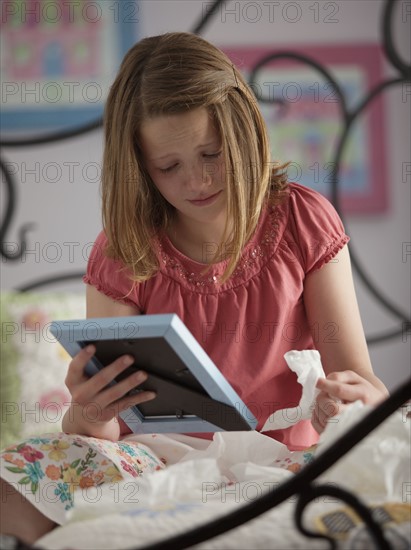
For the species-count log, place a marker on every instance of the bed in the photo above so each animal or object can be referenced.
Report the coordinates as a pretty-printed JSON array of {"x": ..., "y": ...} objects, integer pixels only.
[
  {"x": 352, "y": 491},
  {"x": 243, "y": 491}
]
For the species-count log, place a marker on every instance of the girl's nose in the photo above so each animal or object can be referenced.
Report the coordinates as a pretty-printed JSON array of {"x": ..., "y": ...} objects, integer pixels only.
[{"x": 198, "y": 176}]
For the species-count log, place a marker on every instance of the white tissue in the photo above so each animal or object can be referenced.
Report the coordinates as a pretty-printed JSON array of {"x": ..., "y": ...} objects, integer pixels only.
[
  {"x": 307, "y": 365},
  {"x": 379, "y": 466}
]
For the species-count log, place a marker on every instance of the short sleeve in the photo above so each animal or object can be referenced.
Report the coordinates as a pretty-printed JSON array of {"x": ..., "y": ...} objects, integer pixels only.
[
  {"x": 107, "y": 275},
  {"x": 316, "y": 232}
]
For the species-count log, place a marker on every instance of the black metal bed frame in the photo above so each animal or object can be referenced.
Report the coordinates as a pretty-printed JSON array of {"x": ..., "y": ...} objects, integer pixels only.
[{"x": 304, "y": 483}]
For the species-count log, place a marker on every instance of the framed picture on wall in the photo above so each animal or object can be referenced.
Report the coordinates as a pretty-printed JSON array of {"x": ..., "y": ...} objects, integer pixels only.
[
  {"x": 58, "y": 60},
  {"x": 305, "y": 119}
]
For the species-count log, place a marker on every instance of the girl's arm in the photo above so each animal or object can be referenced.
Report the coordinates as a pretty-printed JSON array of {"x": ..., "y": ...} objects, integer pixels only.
[
  {"x": 95, "y": 407},
  {"x": 333, "y": 313},
  {"x": 99, "y": 305}
]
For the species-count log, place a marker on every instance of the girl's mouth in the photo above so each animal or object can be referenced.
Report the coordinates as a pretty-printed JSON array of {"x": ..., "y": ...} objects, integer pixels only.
[{"x": 206, "y": 200}]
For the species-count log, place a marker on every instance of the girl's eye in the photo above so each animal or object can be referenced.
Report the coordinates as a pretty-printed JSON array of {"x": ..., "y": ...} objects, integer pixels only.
[
  {"x": 168, "y": 169},
  {"x": 213, "y": 155}
]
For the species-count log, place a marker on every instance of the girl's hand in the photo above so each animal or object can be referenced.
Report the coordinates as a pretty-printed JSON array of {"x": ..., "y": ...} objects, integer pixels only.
[
  {"x": 338, "y": 390},
  {"x": 95, "y": 404}
]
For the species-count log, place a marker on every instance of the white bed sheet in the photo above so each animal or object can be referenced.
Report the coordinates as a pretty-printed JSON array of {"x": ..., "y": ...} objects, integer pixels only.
[{"x": 209, "y": 481}]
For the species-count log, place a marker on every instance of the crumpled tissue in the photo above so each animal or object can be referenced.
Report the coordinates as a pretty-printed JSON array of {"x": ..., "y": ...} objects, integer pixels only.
[
  {"x": 378, "y": 467},
  {"x": 307, "y": 365}
]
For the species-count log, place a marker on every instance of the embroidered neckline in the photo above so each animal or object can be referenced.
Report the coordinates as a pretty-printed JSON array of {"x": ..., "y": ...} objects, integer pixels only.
[{"x": 203, "y": 278}]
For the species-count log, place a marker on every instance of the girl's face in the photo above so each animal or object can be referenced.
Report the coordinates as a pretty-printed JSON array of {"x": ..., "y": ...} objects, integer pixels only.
[{"x": 183, "y": 156}]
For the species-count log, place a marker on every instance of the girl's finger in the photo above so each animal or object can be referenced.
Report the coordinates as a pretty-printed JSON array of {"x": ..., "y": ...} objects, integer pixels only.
[
  {"x": 328, "y": 405},
  {"x": 75, "y": 372},
  {"x": 127, "y": 402},
  {"x": 345, "y": 376},
  {"x": 117, "y": 391},
  {"x": 85, "y": 389},
  {"x": 315, "y": 421},
  {"x": 346, "y": 392},
  {"x": 105, "y": 377},
  {"x": 97, "y": 411},
  {"x": 335, "y": 379},
  {"x": 318, "y": 420}
]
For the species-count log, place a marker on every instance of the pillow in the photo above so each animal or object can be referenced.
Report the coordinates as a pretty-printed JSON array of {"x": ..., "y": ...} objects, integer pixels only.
[{"x": 33, "y": 366}]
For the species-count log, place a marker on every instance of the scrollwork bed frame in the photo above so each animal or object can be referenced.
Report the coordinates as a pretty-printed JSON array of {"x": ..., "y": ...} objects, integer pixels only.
[{"x": 303, "y": 484}]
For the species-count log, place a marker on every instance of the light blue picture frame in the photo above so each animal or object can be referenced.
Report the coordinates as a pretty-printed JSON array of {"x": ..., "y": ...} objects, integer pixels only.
[{"x": 223, "y": 403}]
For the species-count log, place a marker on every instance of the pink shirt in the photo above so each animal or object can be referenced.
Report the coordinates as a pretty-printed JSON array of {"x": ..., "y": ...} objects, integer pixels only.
[{"x": 247, "y": 324}]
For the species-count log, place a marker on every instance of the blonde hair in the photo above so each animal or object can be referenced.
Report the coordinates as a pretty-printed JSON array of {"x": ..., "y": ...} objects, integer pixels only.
[{"x": 168, "y": 74}]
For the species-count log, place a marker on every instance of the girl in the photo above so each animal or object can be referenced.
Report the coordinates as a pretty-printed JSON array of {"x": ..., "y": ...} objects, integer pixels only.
[{"x": 199, "y": 222}]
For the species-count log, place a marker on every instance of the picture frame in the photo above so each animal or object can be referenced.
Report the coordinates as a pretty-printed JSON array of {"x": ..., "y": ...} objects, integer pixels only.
[{"x": 192, "y": 395}]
